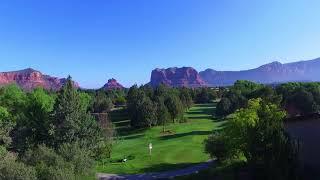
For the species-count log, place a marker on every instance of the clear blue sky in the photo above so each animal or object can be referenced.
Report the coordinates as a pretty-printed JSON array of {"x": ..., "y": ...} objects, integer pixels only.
[{"x": 94, "y": 40}]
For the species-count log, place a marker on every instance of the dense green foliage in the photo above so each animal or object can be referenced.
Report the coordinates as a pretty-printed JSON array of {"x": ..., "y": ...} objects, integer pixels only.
[
  {"x": 300, "y": 98},
  {"x": 256, "y": 132},
  {"x": 102, "y": 103},
  {"x": 53, "y": 135},
  {"x": 148, "y": 107},
  {"x": 11, "y": 168},
  {"x": 296, "y": 98}
]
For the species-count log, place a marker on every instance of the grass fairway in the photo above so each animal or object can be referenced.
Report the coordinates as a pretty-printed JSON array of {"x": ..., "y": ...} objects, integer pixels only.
[{"x": 183, "y": 147}]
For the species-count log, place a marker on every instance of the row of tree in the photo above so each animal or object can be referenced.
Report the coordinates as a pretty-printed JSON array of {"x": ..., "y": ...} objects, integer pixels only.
[
  {"x": 295, "y": 98},
  {"x": 149, "y": 106},
  {"x": 46, "y": 135}
]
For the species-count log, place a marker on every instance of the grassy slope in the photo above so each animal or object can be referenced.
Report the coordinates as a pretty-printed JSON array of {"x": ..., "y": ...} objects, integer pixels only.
[{"x": 182, "y": 148}]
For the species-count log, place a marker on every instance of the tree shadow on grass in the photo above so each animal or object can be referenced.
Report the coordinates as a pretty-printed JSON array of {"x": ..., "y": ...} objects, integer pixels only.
[
  {"x": 209, "y": 105},
  {"x": 166, "y": 167},
  {"x": 132, "y": 136},
  {"x": 192, "y": 133},
  {"x": 208, "y": 111},
  {"x": 200, "y": 117},
  {"x": 130, "y": 131}
]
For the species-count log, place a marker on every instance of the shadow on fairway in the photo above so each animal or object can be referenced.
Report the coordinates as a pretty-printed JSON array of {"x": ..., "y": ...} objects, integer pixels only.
[
  {"x": 206, "y": 105},
  {"x": 132, "y": 136},
  {"x": 200, "y": 117},
  {"x": 208, "y": 111},
  {"x": 167, "y": 167},
  {"x": 192, "y": 133}
]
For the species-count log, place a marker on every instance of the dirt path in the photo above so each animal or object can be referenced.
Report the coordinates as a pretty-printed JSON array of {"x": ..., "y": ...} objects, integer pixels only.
[{"x": 158, "y": 175}]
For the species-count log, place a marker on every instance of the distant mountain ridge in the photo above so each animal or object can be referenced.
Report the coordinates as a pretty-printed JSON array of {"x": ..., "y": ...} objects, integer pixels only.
[
  {"x": 271, "y": 73},
  {"x": 274, "y": 72},
  {"x": 29, "y": 79}
]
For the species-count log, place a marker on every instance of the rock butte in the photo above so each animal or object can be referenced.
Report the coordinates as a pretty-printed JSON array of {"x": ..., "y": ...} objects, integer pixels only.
[
  {"x": 112, "y": 84},
  {"x": 177, "y": 77},
  {"x": 29, "y": 79}
]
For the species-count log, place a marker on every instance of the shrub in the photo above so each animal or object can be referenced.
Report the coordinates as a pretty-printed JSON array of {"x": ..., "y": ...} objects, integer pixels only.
[
  {"x": 48, "y": 164},
  {"x": 10, "y": 168},
  {"x": 79, "y": 157},
  {"x": 215, "y": 146},
  {"x": 120, "y": 101}
]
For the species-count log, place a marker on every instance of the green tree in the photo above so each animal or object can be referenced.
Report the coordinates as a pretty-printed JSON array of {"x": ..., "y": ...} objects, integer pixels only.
[
  {"x": 102, "y": 103},
  {"x": 303, "y": 101},
  {"x": 245, "y": 87},
  {"x": 217, "y": 147},
  {"x": 11, "y": 168},
  {"x": 268, "y": 94},
  {"x": 72, "y": 121},
  {"x": 230, "y": 102},
  {"x": 203, "y": 96},
  {"x": 161, "y": 90},
  {"x": 120, "y": 101},
  {"x": 86, "y": 100},
  {"x": 79, "y": 157},
  {"x": 37, "y": 127},
  {"x": 185, "y": 98},
  {"x": 48, "y": 164},
  {"x": 174, "y": 106},
  {"x": 257, "y": 133},
  {"x": 13, "y": 99},
  {"x": 224, "y": 107},
  {"x": 134, "y": 101},
  {"x": 162, "y": 113},
  {"x": 6, "y": 125},
  {"x": 148, "y": 112}
]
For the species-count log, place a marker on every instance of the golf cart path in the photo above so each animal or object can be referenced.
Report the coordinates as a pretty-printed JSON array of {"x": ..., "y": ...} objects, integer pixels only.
[{"x": 158, "y": 175}]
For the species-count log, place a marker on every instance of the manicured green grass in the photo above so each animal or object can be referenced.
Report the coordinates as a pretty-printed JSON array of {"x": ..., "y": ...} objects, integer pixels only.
[{"x": 181, "y": 146}]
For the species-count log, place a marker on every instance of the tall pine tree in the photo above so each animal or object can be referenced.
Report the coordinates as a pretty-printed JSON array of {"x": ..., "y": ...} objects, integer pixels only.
[{"x": 71, "y": 120}]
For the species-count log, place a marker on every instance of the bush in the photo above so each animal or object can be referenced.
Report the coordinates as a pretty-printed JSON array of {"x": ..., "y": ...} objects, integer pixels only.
[
  {"x": 183, "y": 119},
  {"x": 79, "y": 157},
  {"x": 215, "y": 146},
  {"x": 120, "y": 101},
  {"x": 11, "y": 169},
  {"x": 48, "y": 164}
]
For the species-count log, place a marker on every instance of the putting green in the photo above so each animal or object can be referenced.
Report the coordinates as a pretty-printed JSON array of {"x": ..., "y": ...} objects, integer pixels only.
[{"x": 182, "y": 146}]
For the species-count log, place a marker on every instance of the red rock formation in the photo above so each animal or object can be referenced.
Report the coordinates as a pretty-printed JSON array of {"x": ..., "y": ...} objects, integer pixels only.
[
  {"x": 29, "y": 79},
  {"x": 112, "y": 84},
  {"x": 177, "y": 77}
]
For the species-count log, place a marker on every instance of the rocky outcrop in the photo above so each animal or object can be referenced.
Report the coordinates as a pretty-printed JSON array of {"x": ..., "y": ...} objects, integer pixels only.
[
  {"x": 176, "y": 77},
  {"x": 29, "y": 79},
  {"x": 274, "y": 72},
  {"x": 112, "y": 84}
]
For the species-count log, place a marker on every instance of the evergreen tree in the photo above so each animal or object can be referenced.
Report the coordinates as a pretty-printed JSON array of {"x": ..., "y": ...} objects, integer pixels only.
[
  {"x": 185, "y": 98},
  {"x": 72, "y": 121},
  {"x": 174, "y": 106},
  {"x": 102, "y": 103},
  {"x": 163, "y": 115}
]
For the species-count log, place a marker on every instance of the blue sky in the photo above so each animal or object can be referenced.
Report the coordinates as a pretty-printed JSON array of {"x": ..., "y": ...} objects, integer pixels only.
[{"x": 99, "y": 39}]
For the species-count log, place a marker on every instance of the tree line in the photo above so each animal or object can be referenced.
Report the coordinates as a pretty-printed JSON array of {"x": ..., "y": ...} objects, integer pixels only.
[
  {"x": 298, "y": 99},
  {"x": 51, "y": 135},
  {"x": 149, "y": 106}
]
